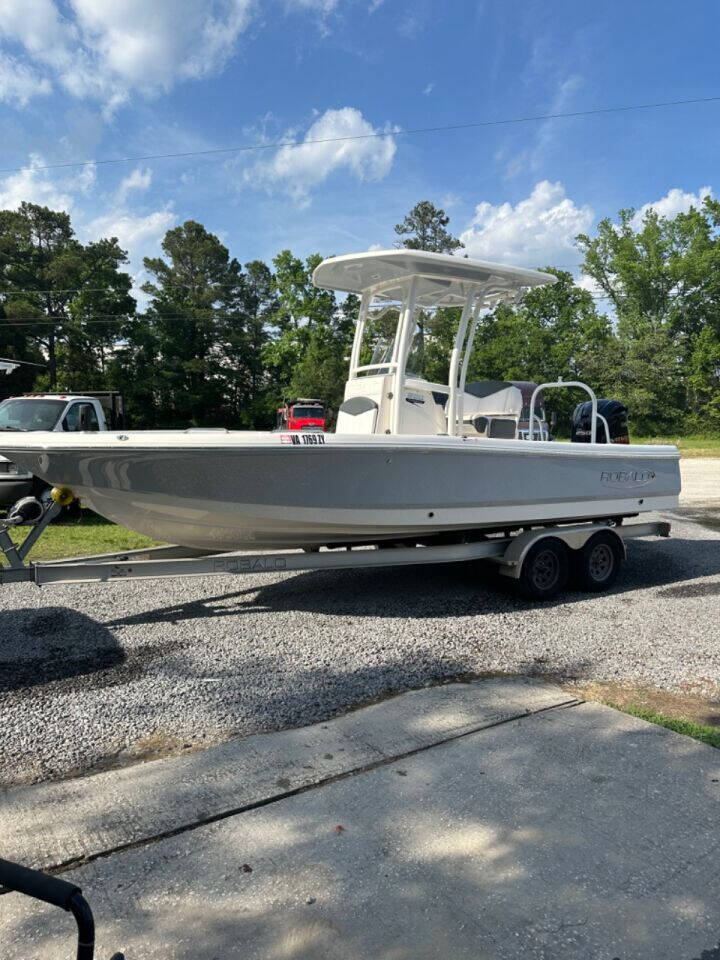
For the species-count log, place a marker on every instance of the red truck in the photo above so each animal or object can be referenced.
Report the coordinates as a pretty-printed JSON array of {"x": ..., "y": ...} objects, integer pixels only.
[{"x": 302, "y": 414}]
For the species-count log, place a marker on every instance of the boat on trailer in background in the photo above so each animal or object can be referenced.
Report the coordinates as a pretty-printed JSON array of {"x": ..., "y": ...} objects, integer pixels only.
[{"x": 409, "y": 464}]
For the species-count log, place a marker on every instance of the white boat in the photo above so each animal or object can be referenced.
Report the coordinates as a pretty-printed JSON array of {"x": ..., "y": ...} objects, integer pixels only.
[{"x": 406, "y": 460}]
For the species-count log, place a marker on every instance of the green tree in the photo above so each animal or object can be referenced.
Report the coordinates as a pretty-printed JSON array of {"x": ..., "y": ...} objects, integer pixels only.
[
  {"x": 298, "y": 301},
  {"x": 259, "y": 304},
  {"x": 323, "y": 367},
  {"x": 425, "y": 228},
  {"x": 704, "y": 380},
  {"x": 439, "y": 330},
  {"x": 194, "y": 339},
  {"x": 300, "y": 310},
  {"x": 647, "y": 374},
  {"x": 662, "y": 276},
  {"x": 322, "y": 370},
  {"x": 70, "y": 299},
  {"x": 15, "y": 345}
]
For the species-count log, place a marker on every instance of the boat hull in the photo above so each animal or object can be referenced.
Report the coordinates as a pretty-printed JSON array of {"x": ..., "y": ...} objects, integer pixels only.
[{"x": 271, "y": 490}]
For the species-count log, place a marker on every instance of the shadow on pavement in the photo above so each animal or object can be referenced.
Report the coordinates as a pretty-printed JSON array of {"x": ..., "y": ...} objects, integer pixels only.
[{"x": 42, "y": 646}]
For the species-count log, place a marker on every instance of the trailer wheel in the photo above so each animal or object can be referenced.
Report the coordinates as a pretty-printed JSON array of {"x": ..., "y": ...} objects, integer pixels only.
[
  {"x": 545, "y": 569},
  {"x": 598, "y": 563}
]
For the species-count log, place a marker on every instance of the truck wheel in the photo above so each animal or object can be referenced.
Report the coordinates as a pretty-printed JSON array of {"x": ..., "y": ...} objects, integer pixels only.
[
  {"x": 545, "y": 569},
  {"x": 598, "y": 563}
]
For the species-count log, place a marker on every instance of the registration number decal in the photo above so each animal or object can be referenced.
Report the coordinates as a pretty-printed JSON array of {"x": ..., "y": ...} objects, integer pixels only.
[{"x": 303, "y": 439}]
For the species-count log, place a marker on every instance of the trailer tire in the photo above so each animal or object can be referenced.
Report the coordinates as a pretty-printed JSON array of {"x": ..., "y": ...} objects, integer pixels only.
[
  {"x": 545, "y": 569},
  {"x": 597, "y": 564}
]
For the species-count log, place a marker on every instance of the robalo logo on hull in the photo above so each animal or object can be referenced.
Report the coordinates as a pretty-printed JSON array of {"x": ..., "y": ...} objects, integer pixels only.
[{"x": 627, "y": 478}]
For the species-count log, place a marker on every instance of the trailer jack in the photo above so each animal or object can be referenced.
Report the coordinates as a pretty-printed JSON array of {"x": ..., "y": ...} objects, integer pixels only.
[{"x": 28, "y": 512}]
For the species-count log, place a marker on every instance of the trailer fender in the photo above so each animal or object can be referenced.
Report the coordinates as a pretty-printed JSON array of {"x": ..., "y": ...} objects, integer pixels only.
[{"x": 574, "y": 537}]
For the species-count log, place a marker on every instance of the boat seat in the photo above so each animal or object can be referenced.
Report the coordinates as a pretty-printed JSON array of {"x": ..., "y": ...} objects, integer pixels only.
[
  {"x": 357, "y": 415},
  {"x": 474, "y": 426},
  {"x": 498, "y": 428},
  {"x": 486, "y": 388},
  {"x": 502, "y": 429}
]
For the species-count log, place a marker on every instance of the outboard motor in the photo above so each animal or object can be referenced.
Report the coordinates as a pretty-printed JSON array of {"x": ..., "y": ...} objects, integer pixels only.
[{"x": 615, "y": 414}]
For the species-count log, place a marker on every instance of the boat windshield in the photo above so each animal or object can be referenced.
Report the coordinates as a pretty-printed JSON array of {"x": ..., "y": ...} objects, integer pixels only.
[
  {"x": 416, "y": 361},
  {"x": 427, "y": 356},
  {"x": 378, "y": 343},
  {"x": 539, "y": 411},
  {"x": 23, "y": 413}
]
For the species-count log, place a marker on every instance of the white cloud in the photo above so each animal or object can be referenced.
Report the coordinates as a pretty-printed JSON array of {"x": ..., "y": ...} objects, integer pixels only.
[
  {"x": 449, "y": 200},
  {"x": 153, "y": 44},
  {"x": 19, "y": 82},
  {"x": 540, "y": 229},
  {"x": 106, "y": 50},
  {"x": 674, "y": 202},
  {"x": 298, "y": 167},
  {"x": 86, "y": 179},
  {"x": 411, "y": 24},
  {"x": 139, "y": 235},
  {"x": 546, "y": 136},
  {"x": 321, "y": 6},
  {"x": 136, "y": 180},
  {"x": 33, "y": 184}
]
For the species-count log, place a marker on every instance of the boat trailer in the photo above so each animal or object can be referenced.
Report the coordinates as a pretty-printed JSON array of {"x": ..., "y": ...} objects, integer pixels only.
[{"x": 542, "y": 558}]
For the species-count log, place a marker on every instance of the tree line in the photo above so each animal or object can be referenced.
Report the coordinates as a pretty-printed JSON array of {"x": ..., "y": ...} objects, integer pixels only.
[{"x": 219, "y": 343}]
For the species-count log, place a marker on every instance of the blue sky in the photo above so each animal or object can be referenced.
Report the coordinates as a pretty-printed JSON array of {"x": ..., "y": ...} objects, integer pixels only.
[{"x": 83, "y": 79}]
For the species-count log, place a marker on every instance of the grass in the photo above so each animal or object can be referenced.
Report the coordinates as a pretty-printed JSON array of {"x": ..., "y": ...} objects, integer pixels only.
[
  {"x": 690, "y": 446},
  {"x": 90, "y": 535},
  {"x": 698, "y": 731}
]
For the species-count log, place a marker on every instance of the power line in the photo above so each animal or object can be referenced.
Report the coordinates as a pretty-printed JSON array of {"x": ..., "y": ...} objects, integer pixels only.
[
  {"x": 112, "y": 318},
  {"x": 15, "y": 293},
  {"x": 108, "y": 318},
  {"x": 411, "y": 131},
  {"x": 27, "y": 322}
]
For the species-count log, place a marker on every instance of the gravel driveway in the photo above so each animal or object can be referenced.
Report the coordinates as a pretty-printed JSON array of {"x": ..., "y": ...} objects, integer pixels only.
[{"x": 92, "y": 674}]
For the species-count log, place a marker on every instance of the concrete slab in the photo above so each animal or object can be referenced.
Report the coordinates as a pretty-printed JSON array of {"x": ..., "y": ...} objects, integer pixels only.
[
  {"x": 121, "y": 807},
  {"x": 575, "y": 833}
]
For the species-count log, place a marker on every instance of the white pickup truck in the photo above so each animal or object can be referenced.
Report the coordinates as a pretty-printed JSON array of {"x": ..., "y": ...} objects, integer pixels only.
[{"x": 51, "y": 411}]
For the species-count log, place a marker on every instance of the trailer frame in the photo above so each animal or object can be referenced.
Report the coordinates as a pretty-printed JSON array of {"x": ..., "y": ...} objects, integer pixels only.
[{"x": 509, "y": 550}]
